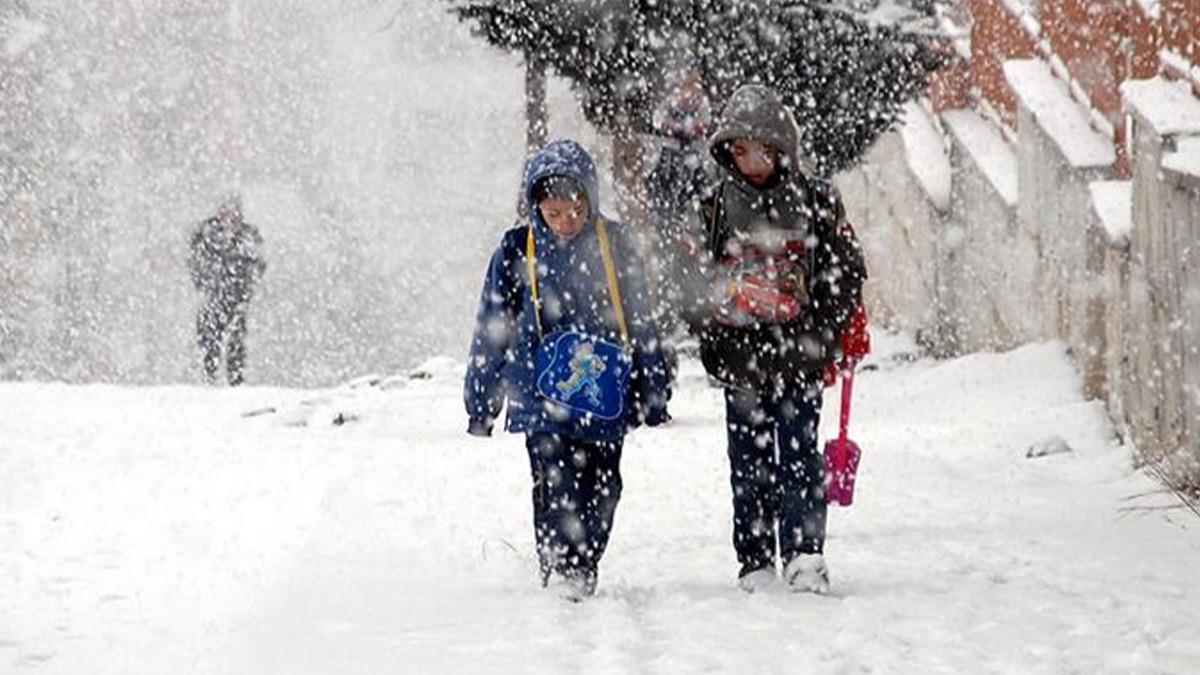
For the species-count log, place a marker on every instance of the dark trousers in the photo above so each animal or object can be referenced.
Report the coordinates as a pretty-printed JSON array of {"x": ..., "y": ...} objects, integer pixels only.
[
  {"x": 777, "y": 473},
  {"x": 222, "y": 325},
  {"x": 576, "y": 487}
]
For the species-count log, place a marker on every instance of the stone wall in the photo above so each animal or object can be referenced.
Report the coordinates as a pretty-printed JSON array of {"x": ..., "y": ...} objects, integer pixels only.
[
  {"x": 903, "y": 289},
  {"x": 1111, "y": 268}
]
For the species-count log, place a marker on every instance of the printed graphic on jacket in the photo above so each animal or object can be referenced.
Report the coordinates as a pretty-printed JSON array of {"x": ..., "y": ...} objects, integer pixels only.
[{"x": 767, "y": 273}]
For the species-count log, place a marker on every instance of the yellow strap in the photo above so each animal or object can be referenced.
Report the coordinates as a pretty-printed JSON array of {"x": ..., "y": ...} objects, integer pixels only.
[
  {"x": 531, "y": 264},
  {"x": 613, "y": 290},
  {"x": 610, "y": 271}
]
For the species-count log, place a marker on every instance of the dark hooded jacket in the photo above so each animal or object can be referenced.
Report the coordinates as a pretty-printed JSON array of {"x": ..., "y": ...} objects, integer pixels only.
[
  {"x": 573, "y": 288},
  {"x": 765, "y": 355},
  {"x": 224, "y": 264}
]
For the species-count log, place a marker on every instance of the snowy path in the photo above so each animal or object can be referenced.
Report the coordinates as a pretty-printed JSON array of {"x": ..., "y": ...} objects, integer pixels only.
[{"x": 158, "y": 531}]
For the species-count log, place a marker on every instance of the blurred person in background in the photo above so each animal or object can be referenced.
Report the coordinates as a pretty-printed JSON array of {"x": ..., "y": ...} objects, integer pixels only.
[{"x": 225, "y": 263}]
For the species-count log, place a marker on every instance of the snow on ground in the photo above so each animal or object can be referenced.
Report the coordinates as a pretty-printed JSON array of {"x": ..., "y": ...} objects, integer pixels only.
[{"x": 158, "y": 530}]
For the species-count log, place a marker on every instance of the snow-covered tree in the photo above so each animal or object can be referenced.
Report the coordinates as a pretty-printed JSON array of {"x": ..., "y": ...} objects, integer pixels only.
[
  {"x": 844, "y": 68},
  {"x": 844, "y": 78}
]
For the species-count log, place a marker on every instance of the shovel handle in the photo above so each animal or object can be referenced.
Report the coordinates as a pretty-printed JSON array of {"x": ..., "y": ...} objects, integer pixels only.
[{"x": 847, "y": 390}]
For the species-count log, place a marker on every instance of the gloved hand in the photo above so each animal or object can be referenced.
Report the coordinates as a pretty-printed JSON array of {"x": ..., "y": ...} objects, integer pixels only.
[
  {"x": 657, "y": 416},
  {"x": 856, "y": 344},
  {"x": 479, "y": 427}
]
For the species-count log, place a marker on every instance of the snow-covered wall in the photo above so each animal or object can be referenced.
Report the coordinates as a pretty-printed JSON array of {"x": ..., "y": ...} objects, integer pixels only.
[
  {"x": 1162, "y": 332},
  {"x": 993, "y": 265},
  {"x": 1040, "y": 243},
  {"x": 938, "y": 253},
  {"x": 900, "y": 230},
  {"x": 1059, "y": 155}
]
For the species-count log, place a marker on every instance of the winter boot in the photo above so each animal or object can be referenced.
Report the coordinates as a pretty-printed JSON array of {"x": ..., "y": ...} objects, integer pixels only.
[
  {"x": 752, "y": 580},
  {"x": 573, "y": 586},
  {"x": 807, "y": 573}
]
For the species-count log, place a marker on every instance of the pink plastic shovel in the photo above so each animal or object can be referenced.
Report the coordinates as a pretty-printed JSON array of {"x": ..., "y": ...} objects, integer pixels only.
[{"x": 842, "y": 454}]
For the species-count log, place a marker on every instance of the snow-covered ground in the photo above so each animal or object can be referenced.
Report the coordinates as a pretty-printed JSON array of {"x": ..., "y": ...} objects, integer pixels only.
[{"x": 159, "y": 530}]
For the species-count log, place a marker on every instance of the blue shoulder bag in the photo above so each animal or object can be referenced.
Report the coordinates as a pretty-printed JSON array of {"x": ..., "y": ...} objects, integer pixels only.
[{"x": 585, "y": 376}]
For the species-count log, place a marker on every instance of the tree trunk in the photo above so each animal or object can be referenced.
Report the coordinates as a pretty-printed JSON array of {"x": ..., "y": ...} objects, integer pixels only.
[
  {"x": 629, "y": 178},
  {"x": 535, "y": 105},
  {"x": 535, "y": 116},
  {"x": 630, "y": 170}
]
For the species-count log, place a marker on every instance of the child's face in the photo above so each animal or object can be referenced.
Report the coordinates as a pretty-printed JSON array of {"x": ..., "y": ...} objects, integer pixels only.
[
  {"x": 565, "y": 217},
  {"x": 754, "y": 159}
]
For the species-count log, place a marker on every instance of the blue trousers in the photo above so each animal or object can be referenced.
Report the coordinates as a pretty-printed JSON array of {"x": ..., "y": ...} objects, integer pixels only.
[
  {"x": 777, "y": 474},
  {"x": 576, "y": 487}
]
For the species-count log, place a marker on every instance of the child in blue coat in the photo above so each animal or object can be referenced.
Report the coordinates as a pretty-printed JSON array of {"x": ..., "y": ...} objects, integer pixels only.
[{"x": 564, "y": 335}]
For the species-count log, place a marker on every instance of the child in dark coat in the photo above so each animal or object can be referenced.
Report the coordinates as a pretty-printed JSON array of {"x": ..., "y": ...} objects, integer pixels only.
[
  {"x": 568, "y": 276},
  {"x": 786, "y": 275}
]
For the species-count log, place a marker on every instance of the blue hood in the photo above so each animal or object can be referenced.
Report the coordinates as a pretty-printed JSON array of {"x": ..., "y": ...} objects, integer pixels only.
[{"x": 562, "y": 158}]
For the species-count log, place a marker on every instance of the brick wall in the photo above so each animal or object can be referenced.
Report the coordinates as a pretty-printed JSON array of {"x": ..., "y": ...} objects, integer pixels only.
[
  {"x": 1180, "y": 27},
  {"x": 1101, "y": 42},
  {"x": 1088, "y": 35},
  {"x": 996, "y": 36}
]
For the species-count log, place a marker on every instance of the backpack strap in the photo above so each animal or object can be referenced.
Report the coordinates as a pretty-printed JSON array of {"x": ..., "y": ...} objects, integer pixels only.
[
  {"x": 820, "y": 226},
  {"x": 716, "y": 230},
  {"x": 614, "y": 291}
]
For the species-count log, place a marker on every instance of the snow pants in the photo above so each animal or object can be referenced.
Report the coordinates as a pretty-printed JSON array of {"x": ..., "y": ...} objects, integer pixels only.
[
  {"x": 222, "y": 325},
  {"x": 576, "y": 487},
  {"x": 777, "y": 474}
]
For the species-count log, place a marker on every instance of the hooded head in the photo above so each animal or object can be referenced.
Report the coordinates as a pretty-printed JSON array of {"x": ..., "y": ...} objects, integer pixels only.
[
  {"x": 561, "y": 169},
  {"x": 229, "y": 211},
  {"x": 755, "y": 112}
]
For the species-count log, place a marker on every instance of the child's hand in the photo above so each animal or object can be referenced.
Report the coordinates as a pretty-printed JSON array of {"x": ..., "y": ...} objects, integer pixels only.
[
  {"x": 657, "y": 417},
  {"x": 481, "y": 428}
]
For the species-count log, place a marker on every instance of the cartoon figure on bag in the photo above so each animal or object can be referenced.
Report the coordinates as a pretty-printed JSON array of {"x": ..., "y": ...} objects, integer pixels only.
[{"x": 586, "y": 368}]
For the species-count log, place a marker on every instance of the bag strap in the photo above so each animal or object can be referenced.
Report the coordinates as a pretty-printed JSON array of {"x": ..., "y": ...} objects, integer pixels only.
[
  {"x": 610, "y": 271},
  {"x": 531, "y": 265}
]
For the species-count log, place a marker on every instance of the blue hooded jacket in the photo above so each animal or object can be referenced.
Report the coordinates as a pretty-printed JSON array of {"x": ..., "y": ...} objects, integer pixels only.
[{"x": 574, "y": 291}]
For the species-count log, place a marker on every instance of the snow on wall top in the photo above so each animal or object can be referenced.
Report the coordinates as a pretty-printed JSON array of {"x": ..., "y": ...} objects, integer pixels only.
[
  {"x": 1112, "y": 201},
  {"x": 1150, "y": 7},
  {"x": 1168, "y": 107},
  {"x": 18, "y": 35},
  {"x": 1063, "y": 119},
  {"x": 988, "y": 149},
  {"x": 1186, "y": 158},
  {"x": 925, "y": 151},
  {"x": 1026, "y": 12}
]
